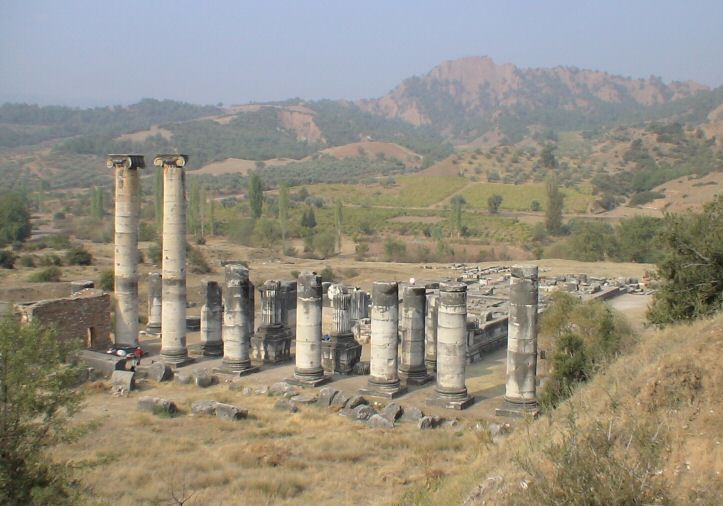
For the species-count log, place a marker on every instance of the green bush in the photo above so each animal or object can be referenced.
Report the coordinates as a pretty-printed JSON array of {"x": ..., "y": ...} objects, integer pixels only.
[
  {"x": 14, "y": 218},
  {"x": 328, "y": 274},
  {"x": 198, "y": 262},
  {"x": 155, "y": 253},
  {"x": 107, "y": 280},
  {"x": 7, "y": 259},
  {"x": 27, "y": 261},
  {"x": 78, "y": 255},
  {"x": 50, "y": 259},
  {"x": 49, "y": 274}
]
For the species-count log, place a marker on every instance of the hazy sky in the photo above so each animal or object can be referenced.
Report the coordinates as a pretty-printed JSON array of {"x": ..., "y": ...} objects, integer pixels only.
[{"x": 100, "y": 52}]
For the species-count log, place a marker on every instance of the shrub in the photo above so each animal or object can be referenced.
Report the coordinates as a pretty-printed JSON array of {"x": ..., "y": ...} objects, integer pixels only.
[
  {"x": 50, "y": 259},
  {"x": 27, "y": 261},
  {"x": 198, "y": 262},
  {"x": 644, "y": 197},
  {"x": 78, "y": 255},
  {"x": 328, "y": 274},
  {"x": 107, "y": 280},
  {"x": 154, "y": 253},
  {"x": 14, "y": 218},
  {"x": 7, "y": 259},
  {"x": 394, "y": 250},
  {"x": 60, "y": 215},
  {"x": 294, "y": 274},
  {"x": 49, "y": 274}
]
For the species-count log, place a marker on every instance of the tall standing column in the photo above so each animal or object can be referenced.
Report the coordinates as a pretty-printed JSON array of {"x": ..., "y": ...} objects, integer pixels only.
[
  {"x": 211, "y": 313},
  {"x": 430, "y": 328},
  {"x": 451, "y": 391},
  {"x": 127, "y": 215},
  {"x": 236, "y": 320},
  {"x": 308, "y": 370},
  {"x": 384, "y": 378},
  {"x": 272, "y": 341},
  {"x": 520, "y": 389},
  {"x": 173, "y": 318},
  {"x": 341, "y": 352},
  {"x": 153, "y": 327},
  {"x": 411, "y": 366}
]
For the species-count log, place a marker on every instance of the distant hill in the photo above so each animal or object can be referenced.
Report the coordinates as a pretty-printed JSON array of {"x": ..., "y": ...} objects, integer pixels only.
[{"x": 466, "y": 98}]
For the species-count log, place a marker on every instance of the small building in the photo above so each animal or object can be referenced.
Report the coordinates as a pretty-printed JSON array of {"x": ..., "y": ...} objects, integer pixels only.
[{"x": 83, "y": 315}]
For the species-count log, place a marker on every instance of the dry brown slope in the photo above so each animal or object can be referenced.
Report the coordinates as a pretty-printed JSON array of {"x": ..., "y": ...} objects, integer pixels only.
[{"x": 662, "y": 398}]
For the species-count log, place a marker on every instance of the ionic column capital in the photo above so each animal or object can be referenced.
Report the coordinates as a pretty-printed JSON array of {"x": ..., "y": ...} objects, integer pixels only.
[
  {"x": 127, "y": 161},
  {"x": 170, "y": 160}
]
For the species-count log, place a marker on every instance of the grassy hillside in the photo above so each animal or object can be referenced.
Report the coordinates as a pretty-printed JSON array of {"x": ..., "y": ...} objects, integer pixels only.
[{"x": 646, "y": 431}]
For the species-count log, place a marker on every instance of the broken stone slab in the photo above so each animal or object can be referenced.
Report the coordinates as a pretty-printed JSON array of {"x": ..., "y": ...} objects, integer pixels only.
[
  {"x": 392, "y": 411},
  {"x": 156, "y": 405},
  {"x": 285, "y": 405},
  {"x": 303, "y": 399},
  {"x": 123, "y": 381},
  {"x": 326, "y": 396},
  {"x": 380, "y": 422},
  {"x": 354, "y": 401},
  {"x": 183, "y": 379},
  {"x": 262, "y": 390},
  {"x": 203, "y": 378},
  {"x": 204, "y": 407},
  {"x": 230, "y": 412},
  {"x": 363, "y": 412},
  {"x": 280, "y": 388},
  {"x": 411, "y": 414},
  {"x": 425, "y": 423},
  {"x": 340, "y": 400},
  {"x": 158, "y": 372}
]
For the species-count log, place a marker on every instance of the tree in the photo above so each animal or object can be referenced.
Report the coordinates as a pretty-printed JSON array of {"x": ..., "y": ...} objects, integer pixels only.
[
  {"x": 283, "y": 210},
  {"x": 308, "y": 219},
  {"x": 691, "y": 271},
  {"x": 458, "y": 203},
  {"x": 339, "y": 219},
  {"x": 37, "y": 399},
  {"x": 256, "y": 195},
  {"x": 493, "y": 203},
  {"x": 266, "y": 232},
  {"x": 535, "y": 206},
  {"x": 591, "y": 241},
  {"x": 324, "y": 243},
  {"x": 14, "y": 218},
  {"x": 547, "y": 157},
  {"x": 555, "y": 204}
]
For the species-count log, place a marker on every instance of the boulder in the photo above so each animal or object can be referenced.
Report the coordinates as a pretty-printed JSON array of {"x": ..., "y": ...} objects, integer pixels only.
[
  {"x": 230, "y": 412},
  {"x": 123, "y": 381},
  {"x": 392, "y": 411},
  {"x": 156, "y": 405},
  {"x": 356, "y": 400},
  {"x": 280, "y": 388},
  {"x": 158, "y": 371},
  {"x": 411, "y": 414},
  {"x": 363, "y": 412},
  {"x": 425, "y": 423},
  {"x": 380, "y": 422},
  {"x": 326, "y": 396},
  {"x": 339, "y": 400},
  {"x": 183, "y": 379},
  {"x": 303, "y": 399},
  {"x": 203, "y": 378},
  {"x": 204, "y": 407}
]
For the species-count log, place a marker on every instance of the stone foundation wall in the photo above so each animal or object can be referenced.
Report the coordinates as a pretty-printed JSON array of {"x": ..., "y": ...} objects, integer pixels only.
[{"x": 84, "y": 315}]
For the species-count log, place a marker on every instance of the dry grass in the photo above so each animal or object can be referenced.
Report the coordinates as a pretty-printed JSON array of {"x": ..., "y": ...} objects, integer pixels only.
[
  {"x": 274, "y": 457},
  {"x": 648, "y": 429}
]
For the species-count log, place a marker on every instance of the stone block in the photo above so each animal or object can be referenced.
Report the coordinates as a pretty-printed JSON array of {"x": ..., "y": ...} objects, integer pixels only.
[
  {"x": 326, "y": 396},
  {"x": 230, "y": 412},
  {"x": 183, "y": 379},
  {"x": 361, "y": 368},
  {"x": 392, "y": 411},
  {"x": 285, "y": 405},
  {"x": 157, "y": 404},
  {"x": 380, "y": 422},
  {"x": 158, "y": 371},
  {"x": 356, "y": 400},
  {"x": 123, "y": 381},
  {"x": 340, "y": 400},
  {"x": 412, "y": 414},
  {"x": 425, "y": 423},
  {"x": 303, "y": 399},
  {"x": 203, "y": 378},
  {"x": 204, "y": 407},
  {"x": 281, "y": 388},
  {"x": 363, "y": 412}
]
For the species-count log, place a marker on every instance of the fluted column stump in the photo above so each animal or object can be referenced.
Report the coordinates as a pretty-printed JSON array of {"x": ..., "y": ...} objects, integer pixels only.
[
  {"x": 127, "y": 216},
  {"x": 174, "y": 350},
  {"x": 236, "y": 330},
  {"x": 451, "y": 391},
  {"x": 384, "y": 377},
  {"x": 271, "y": 343},
  {"x": 430, "y": 327},
  {"x": 153, "y": 327},
  {"x": 289, "y": 288},
  {"x": 520, "y": 388},
  {"x": 341, "y": 352},
  {"x": 308, "y": 371},
  {"x": 211, "y": 317},
  {"x": 412, "y": 370}
]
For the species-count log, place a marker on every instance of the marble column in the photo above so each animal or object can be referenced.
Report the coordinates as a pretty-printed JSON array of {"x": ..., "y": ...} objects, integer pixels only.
[
  {"x": 153, "y": 327},
  {"x": 127, "y": 217},
  {"x": 384, "y": 377},
  {"x": 520, "y": 388},
  {"x": 272, "y": 341},
  {"x": 430, "y": 329},
  {"x": 341, "y": 352},
  {"x": 236, "y": 321},
  {"x": 211, "y": 314},
  {"x": 451, "y": 391},
  {"x": 411, "y": 365},
  {"x": 173, "y": 317},
  {"x": 308, "y": 370}
]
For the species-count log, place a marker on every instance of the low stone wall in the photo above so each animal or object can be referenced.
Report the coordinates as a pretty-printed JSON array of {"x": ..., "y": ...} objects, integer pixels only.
[
  {"x": 486, "y": 338},
  {"x": 84, "y": 315}
]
